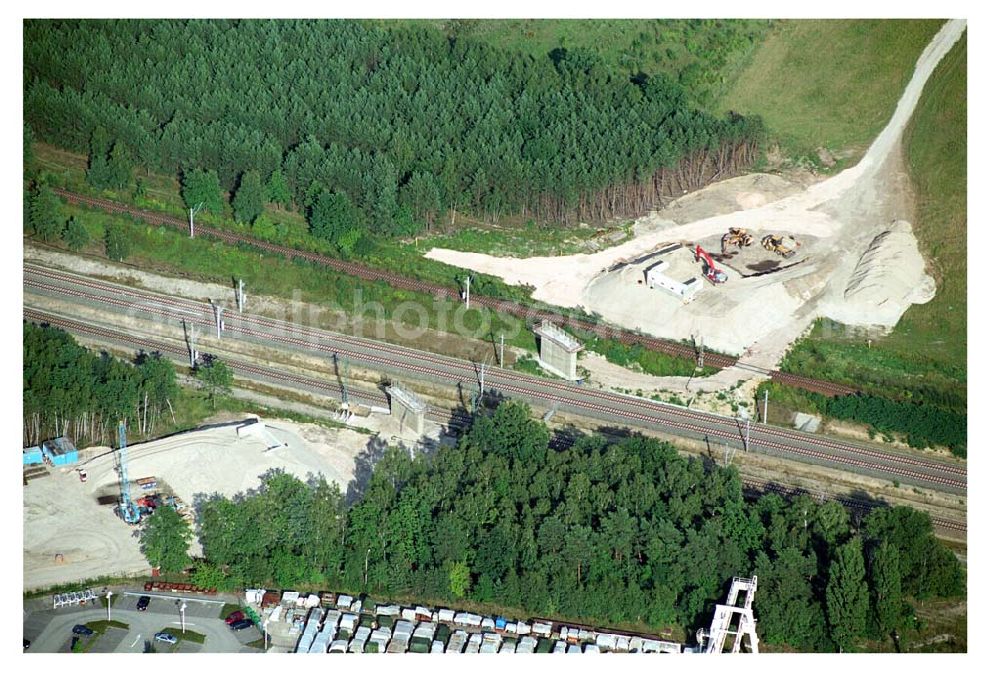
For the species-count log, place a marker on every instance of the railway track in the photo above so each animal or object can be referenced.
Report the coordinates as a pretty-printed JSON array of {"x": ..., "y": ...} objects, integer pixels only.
[
  {"x": 712, "y": 359},
  {"x": 606, "y": 405},
  {"x": 755, "y": 488}
]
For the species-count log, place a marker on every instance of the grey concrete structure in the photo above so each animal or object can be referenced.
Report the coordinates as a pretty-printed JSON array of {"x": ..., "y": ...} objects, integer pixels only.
[
  {"x": 557, "y": 350},
  {"x": 407, "y": 409}
]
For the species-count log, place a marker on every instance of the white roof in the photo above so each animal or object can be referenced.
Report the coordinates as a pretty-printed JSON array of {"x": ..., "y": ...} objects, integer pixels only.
[
  {"x": 387, "y": 610},
  {"x": 635, "y": 643},
  {"x": 423, "y": 611},
  {"x": 508, "y": 647},
  {"x": 409, "y": 614},
  {"x": 290, "y": 596},
  {"x": 339, "y": 646},
  {"x": 591, "y": 648},
  {"x": 573, "y": 648},
  {"x": 605, "y": 640},
  {"x": 437, "y": 646},
  {"x": 541, "y": 628},
  {"x": 348, "y": 620},
  {"x": 446, "y": 615},
  {"x": 344, "y": 601},
  {"x": 560, "y": 647}
]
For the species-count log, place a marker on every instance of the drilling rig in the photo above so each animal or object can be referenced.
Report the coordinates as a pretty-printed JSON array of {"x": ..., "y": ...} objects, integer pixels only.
[{"x": 127, "y": 509}]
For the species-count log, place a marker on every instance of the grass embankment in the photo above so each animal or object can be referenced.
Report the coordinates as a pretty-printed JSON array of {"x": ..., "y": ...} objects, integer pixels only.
[
  {"x": 919, "y": 371},
  {"x": 840, "y": 80},
  {"x": 166, "y": 250}
]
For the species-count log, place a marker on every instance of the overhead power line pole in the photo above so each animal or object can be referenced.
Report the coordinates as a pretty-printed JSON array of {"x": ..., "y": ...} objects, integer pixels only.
[{"x": 191, "y": 212}]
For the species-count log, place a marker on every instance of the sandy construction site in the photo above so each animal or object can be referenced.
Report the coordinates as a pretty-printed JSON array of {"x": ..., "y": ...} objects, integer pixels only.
[
  {"x": 857, "y": 261},
  {"x": 70, "y": 529}
]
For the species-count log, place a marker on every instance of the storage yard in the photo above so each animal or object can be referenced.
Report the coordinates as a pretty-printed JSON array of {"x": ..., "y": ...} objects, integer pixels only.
[
  {"x": 72, "y": 533},
  {"x": 340, "y": 623}
]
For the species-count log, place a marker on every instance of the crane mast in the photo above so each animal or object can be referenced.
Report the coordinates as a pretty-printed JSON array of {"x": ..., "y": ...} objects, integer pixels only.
[{"x": 128, "y": 509}]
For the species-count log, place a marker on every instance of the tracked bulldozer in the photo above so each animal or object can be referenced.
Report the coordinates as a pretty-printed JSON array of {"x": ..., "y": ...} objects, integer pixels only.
[
  {"x": 736, "y": 237},
  {"x": 773, "y": 243}
]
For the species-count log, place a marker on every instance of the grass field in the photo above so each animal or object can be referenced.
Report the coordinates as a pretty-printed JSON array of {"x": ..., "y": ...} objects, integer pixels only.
[
  {"x": 924, "y": 358},
  {"x": 828, "y": 83}
]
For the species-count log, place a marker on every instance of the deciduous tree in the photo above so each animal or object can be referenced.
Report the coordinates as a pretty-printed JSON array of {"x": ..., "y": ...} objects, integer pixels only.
[{"x": 165, "y": 540}]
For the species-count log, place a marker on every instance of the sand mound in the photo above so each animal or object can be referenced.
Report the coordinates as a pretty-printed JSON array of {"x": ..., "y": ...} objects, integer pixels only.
[{"x": 888, "y": 277}]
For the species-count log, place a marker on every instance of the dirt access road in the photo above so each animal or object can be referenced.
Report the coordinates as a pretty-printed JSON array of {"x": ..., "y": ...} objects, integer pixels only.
[{"x": 862, "y": 265}]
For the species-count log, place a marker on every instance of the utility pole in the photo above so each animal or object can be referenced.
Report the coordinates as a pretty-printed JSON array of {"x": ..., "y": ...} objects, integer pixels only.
[
  {"x": 241, "y": 297},
  {"x": 341, "y": 376},
  {"x": 191, "y": 212},
  {"x": 501, "y": 351},
  {"x": 219, "y": 324},
  {"x": 765, "y": 407},
  {"x": 743, "y": 419},
  {"x": 190, "y": 337},
  {"x": 466, "y": 292},
  {"x": 366, "y": 567},
  {"x": 481, "y": 378},
  {"x": 109, "y": 605},
  {"x": 184, "y": 606}
]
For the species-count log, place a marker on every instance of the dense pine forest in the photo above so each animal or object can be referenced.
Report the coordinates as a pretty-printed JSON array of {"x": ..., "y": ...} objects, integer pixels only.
[
  {"x": 370, "y": 131},
  {"x": 625, "y": 532}
]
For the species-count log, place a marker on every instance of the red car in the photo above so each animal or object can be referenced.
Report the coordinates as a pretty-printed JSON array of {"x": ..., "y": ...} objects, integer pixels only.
[{"x": 234, "y": 617}]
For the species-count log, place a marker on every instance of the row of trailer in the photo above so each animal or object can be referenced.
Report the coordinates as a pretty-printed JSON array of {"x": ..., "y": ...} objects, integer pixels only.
[{"x": 330, "y": 623}]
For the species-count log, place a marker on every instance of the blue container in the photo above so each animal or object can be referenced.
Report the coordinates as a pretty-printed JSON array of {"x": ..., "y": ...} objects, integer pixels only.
[
  {"x": 501, "y": 623},
  {"x": 60, "y": 451},
  {"x": 32, "y": 455}
]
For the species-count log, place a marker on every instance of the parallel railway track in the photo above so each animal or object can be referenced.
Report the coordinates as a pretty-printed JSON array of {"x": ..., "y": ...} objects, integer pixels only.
[
  {"x": 604, "y": 405},
  {"x": 513, "y": 308}
]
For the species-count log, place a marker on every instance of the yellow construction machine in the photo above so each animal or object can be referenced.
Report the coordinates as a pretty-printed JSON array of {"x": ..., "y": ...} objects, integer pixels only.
[
  {"x": 773, "y": 243},
  {"x": 736, "y": 237}
]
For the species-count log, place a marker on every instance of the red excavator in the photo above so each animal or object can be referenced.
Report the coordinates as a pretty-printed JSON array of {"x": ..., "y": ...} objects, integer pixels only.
[{"x": 714, "y": 274}]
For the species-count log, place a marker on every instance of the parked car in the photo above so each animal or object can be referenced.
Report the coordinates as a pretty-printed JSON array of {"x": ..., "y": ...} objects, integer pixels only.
[
  {"x": 27, "y": 643},
  {"x": 143, "y": 603},
  {"x": 165, "y": 637},
  {"x": 82, "y": 630},
  {"x": 242, "y": 625},
  {"x": 234, "y": 617}
]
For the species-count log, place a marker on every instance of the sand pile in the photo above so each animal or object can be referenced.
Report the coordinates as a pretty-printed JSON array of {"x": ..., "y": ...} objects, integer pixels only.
[{"x": 888, "y": 278}]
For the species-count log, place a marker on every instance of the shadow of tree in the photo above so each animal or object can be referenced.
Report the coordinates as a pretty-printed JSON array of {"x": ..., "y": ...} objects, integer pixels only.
[{"x": 364, "y": 467}]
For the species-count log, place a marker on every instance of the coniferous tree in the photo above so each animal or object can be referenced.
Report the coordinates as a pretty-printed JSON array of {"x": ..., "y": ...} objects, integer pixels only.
[
  {"x": 278, "y": 191},
  {"x": 847, "y": 595},
  {"x": 75, "y": 235},
  {"x": 119, "y": 167},
  {"x": 201, "y": 187},
  {"x": 887, "y": 598},
  {"x": 116, "y": 243},
  {"x": 43, "y": 214},
  {"x": 97, "y": 167},
  {"x": 248, "y": 202}
]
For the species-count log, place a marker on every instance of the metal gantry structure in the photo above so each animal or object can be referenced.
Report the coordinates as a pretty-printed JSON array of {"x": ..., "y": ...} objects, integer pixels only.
[
  {"x": 720, "y": 630},
  {"x": 129, "y": 510}
]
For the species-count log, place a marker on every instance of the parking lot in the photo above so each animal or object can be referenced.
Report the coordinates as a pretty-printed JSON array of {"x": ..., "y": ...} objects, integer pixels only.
[{"x": 50, "y": 630}]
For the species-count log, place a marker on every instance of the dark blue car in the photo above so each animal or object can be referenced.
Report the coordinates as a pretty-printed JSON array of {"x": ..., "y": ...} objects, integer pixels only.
[{"x": 82, "y": 630}]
